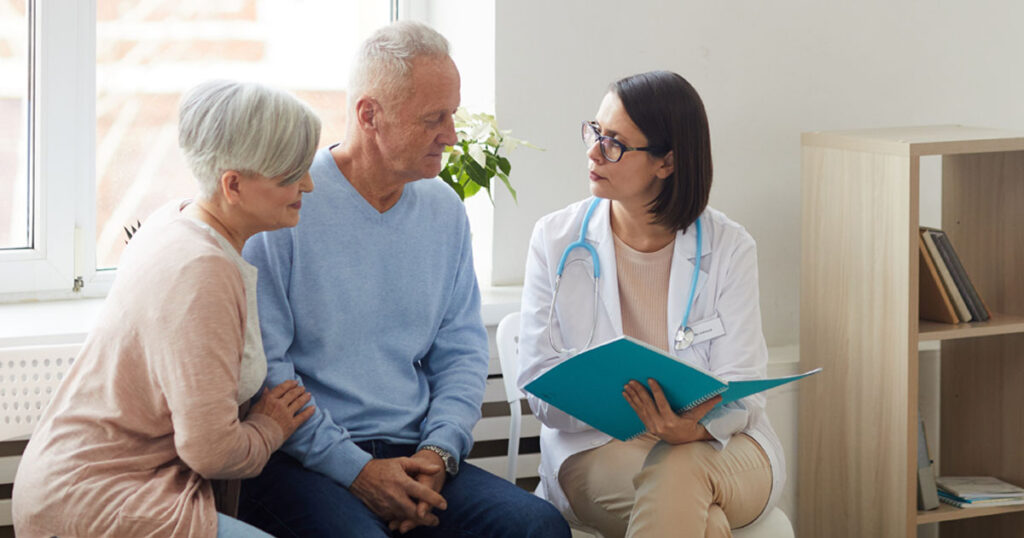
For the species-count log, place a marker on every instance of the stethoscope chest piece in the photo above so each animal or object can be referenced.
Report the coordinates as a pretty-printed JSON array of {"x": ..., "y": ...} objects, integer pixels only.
[{"x": 684, "y": 337}]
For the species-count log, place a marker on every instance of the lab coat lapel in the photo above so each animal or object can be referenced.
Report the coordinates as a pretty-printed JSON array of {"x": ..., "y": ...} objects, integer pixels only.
[
  {"x": 600, "y": 235},
  {"x": 683, "y": 257}
]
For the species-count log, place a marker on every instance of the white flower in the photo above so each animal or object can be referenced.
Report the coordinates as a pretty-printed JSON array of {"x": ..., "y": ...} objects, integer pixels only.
[
  {"x": 477, "y": 153},
  {"x": 481, "y": 132},
  {"x": 462, "y": 116}
]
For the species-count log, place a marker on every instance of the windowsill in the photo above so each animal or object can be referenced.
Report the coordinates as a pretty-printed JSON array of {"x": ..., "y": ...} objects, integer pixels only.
[
  {"x": 47, "y": 322},
  {"x": 68, "y": 321},
  {"x": 498, "y": 301}
]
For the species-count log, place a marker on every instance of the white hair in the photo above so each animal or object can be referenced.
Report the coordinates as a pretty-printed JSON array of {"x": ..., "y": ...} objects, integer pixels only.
[
  {"x": 384, "y": 61},
  {"x": 246, "y": 127}
]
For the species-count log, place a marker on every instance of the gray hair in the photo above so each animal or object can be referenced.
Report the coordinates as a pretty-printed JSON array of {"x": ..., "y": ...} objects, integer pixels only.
[
  {"x": 384, "y": 61},
  {"x": 246, "y": 127}
]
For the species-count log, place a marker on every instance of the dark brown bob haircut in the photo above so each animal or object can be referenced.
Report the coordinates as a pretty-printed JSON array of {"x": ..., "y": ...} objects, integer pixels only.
[{"x": 671, "y": 115}]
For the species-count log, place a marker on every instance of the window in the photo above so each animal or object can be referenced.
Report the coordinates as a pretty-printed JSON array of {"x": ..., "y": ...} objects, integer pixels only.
[
  {"x": 98, "y": 145},
  {"x": 15, "y": 126},
  {"x": 41, "y": 37},
  {"x": 148, "y": 53}
]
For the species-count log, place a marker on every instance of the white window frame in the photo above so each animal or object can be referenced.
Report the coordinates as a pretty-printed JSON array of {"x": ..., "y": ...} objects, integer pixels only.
[{"x": 63, "y": 160}]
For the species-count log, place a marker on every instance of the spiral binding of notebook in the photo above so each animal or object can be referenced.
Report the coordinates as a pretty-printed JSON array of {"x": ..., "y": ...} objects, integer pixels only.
[{"x": 703, "y": 399}]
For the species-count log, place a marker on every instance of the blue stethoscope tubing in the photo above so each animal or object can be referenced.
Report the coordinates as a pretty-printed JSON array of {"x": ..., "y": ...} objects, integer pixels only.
[{"x": 684, "y": 335}]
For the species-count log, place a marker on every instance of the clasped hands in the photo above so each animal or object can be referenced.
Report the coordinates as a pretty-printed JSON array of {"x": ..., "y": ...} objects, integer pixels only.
[
  {"x": 659, "y": 418},
  {"x": 403, "y": 491}
]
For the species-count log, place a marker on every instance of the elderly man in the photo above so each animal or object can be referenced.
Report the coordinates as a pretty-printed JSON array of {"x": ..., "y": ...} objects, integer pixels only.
[{"x": 372, "y": 304}]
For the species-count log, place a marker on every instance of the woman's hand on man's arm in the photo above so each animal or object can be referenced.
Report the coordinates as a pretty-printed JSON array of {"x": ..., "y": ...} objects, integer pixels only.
[{"x": 283, "y": 403}]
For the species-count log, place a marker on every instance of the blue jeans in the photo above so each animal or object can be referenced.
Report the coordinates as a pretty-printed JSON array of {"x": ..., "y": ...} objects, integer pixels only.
[
  {"x": 229, "y": 527},
  {"x": 287, "y": 500}
]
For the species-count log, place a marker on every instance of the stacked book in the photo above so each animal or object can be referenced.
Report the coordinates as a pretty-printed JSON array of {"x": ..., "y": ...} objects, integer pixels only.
[
  {"x": 946, "y": 292},
  {"x": 978, "y": 491}
]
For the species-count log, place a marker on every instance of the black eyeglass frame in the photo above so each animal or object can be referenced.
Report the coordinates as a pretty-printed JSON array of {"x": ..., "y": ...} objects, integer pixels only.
[{"x": 600, "y": 138}]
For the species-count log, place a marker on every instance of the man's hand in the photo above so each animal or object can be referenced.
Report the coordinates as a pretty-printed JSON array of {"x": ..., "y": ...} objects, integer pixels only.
[
  {"x": 435, "y": 481},
  {"x": 388, "y": 489},
  {"x": 661, "y": 420}
]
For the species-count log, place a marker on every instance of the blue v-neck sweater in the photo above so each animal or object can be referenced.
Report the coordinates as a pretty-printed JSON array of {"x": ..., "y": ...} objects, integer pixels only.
[{"x": 378, "y": 315}]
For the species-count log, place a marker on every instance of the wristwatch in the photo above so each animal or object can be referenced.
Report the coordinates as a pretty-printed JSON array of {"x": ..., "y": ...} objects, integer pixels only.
[{"x": 451, "y": 465}]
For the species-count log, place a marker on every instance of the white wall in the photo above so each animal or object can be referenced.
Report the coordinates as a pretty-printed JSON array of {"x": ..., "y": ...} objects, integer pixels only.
[{"x": 767, "y": 72}]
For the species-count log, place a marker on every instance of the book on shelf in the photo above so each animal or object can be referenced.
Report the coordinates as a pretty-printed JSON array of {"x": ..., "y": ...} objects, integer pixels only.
[
  {"x": 589, "y": 385},
  {"x": 978, "y": 487},
  {"x": 927, "y": 493},
  {"x": 956, "y": 268},
  {"x": 985, "y": 503},
  {"x": 950, "y": 272},
  {"x": 978, "y": 491},
  {"x": 935, "y": 304},
  {"x": 962, "y": 312}
]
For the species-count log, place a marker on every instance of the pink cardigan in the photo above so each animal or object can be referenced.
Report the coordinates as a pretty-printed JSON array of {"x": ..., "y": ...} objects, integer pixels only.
[{"x": 147, "y": 415}]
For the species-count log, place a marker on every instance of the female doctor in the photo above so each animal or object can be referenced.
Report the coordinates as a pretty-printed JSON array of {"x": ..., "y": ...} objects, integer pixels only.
[{"x": 677, "y": 275}]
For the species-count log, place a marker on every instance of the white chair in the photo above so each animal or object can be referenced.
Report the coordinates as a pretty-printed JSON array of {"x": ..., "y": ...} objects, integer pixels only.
[
  {"x": 775, "y": 525},
  {"x": 507, "y": 337}
]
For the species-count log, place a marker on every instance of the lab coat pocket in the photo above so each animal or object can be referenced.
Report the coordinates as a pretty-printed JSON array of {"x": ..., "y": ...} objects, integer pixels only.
[{"x": 575, "y": 304}]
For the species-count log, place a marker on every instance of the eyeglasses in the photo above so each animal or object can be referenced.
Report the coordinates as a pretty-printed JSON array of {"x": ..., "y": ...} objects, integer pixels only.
[{"x": 611, "y": 149}]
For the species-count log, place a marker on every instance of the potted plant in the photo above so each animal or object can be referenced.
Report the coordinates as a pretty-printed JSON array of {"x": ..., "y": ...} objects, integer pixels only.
[{"x": 475, "y": 160}]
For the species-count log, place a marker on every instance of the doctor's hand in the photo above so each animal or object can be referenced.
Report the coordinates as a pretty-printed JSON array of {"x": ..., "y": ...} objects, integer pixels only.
[
  {"x": 388, "y": 488},
  {"x": 282, "y": 403},
  {"x": 433, "y": 480},
  {"x": 659, "y": 418}
]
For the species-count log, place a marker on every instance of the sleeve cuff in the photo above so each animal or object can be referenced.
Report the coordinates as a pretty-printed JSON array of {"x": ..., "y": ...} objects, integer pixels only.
[
  {"x": 449, "y": 438},
  {"x": 342, "y": 464},
  {"x": 724, "y": 422}
]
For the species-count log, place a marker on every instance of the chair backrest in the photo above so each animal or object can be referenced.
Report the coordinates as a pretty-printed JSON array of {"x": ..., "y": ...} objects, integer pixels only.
[{"x": 507, "y": 339}]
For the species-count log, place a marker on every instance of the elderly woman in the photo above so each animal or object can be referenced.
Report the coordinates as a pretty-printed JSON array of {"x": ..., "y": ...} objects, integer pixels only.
[{"x": 149, "y": 413}]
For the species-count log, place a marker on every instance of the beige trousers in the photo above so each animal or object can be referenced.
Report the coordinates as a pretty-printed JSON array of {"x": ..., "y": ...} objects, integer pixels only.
[{"x": 647, "y": 488}]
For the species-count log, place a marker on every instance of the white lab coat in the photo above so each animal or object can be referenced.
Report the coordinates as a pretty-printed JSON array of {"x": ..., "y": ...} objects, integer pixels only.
[{"x": 727, "y": 288}]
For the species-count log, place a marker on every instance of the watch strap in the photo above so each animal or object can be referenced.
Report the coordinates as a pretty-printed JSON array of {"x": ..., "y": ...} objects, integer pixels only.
[{"x": 451, "y": 464}]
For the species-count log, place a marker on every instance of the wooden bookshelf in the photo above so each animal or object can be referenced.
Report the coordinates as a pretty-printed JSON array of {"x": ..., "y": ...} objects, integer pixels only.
[
  {"x": 947, "y": 512},
  {"x": 859, "y": 321},
  {"x": 996, "y": 325}
]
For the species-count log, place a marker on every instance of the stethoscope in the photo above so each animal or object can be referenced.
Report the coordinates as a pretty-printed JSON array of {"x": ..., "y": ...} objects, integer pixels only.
[{"x": 684, "y": 334}]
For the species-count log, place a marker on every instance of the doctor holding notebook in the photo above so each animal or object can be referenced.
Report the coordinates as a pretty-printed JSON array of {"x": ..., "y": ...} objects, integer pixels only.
[{"x": 646, "y": 258}]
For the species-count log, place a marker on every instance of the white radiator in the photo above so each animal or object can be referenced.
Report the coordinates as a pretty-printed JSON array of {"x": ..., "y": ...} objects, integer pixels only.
[{"x": 28, "y": 377}]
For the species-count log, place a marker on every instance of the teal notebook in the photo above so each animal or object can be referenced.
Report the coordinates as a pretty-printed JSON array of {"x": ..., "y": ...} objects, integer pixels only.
[{"x": 589, "y": 385}]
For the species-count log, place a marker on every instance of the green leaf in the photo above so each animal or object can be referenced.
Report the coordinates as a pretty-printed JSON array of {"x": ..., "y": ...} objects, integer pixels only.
[
  {"x": 504, "y": 179},
  {"x": 477, "y": 173},
  {"x": 505, "y": 166},
  {"x": 470, "y": 189}
]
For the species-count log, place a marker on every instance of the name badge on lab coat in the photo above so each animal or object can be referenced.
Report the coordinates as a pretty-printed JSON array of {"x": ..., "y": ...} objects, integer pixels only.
[{"x": 707, "y": 329}]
